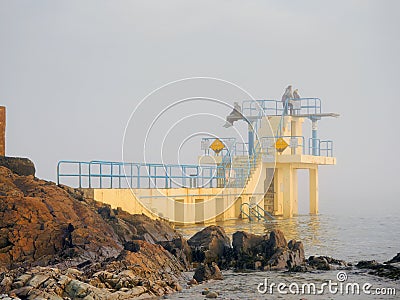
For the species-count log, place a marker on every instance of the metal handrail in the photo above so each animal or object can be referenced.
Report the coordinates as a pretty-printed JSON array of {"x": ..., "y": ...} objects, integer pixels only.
[
  {"x": 80, "y": 175},
  {"x": 148, "y": 175},
  {"x": 229, "y": 142},
  {"x": 258, "y": 207},
  {"x": 316, "y": 149},
  {"x": 266, "y": 139},
  {"x": 256, "y": 108},
  {"x": 254, "y": 210}
]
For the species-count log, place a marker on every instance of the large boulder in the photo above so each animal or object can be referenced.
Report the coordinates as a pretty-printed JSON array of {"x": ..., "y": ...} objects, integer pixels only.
[
  {"x": 209, "y": 245},
  {"x": 207, "y": 271},
  {"x": 247, "y": 249},
  {"x": 246, "y": 243},
  {"x": 18, "y": 165},
  {"x": 266, "y": 252}
]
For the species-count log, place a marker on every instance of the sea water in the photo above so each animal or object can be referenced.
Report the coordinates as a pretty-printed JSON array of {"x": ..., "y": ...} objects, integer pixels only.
[{"x": 346, "y": 237}]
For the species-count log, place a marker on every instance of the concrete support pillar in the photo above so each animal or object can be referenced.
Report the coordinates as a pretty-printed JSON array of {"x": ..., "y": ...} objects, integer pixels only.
[
  {"x": 278, "y": 189},
  {"x": 295, "y": 186},
  {"x": 313, "y": 177},
  {"x": 297, "y": 130},
  {"x": 190, "y": 208},
  {"x": 287, "y": 191},
  {"x": 2, "y": 131}
]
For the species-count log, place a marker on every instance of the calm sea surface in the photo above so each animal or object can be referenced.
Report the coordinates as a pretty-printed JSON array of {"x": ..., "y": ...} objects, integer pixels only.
[{"x": 343, "y": 237}]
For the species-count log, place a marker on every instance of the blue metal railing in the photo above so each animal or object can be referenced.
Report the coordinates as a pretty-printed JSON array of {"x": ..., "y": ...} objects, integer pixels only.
[
  {"x": 259, "y": 107},
  {"x": 228, "y": 142},
  {"x": 307, "y": 106},
  {"x": 77, "y": 174},
  {"x": 302, "y": 106},
  {"x": 294, "y": 142},
  {"x": 319, "y": 147},
  {"x": 241, "y": 149},
  {"x": 108, "y": 174}
]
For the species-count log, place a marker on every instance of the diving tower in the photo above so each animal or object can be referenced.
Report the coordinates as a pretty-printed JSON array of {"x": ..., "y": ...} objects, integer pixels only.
[{"x": 232, "y": 179}]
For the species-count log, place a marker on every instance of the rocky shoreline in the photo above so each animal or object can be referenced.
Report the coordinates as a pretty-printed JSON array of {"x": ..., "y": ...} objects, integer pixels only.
[{"x": 57, "y": 244}]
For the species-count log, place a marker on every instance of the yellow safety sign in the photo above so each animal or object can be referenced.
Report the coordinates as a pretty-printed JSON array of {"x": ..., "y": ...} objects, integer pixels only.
[
  {"x": 217, "y": 146},
  {"x": 281, "y": 145}
]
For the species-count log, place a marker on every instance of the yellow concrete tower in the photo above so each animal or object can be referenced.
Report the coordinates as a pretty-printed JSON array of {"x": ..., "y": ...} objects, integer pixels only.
[{"x": 256, "y": 179}]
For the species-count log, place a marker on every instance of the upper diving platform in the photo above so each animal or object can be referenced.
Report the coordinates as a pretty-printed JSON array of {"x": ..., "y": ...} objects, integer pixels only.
[{"x": 303, "y": 107}]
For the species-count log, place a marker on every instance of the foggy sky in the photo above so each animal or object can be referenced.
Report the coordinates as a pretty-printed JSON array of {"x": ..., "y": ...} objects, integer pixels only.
[{"x": 71, "y": 72}]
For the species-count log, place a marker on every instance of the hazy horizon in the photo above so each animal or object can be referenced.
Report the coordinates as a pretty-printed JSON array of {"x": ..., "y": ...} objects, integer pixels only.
[{"x": 72, "y": 72}]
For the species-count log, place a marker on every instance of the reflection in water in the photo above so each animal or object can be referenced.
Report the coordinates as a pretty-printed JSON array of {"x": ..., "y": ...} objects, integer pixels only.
[{"x": 343, "y": 237}]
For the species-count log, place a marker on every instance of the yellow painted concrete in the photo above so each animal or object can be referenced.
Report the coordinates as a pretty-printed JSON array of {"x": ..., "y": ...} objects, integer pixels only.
[
  {"x": 287, "y": 191},
  {"x": 198, "y": 205},
  {"x": 313, "y": 190},
  {"x": 180, "y": 205},
  {"x": 295, "y": 195}
]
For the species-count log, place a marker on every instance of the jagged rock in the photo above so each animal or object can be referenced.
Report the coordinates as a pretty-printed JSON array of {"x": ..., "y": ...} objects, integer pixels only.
[
  {"x": 87, "y": 256},
  {"x": 180, "y": 248},
  {"x": 387, "y": 270},
  {"x": 276, "y": 240},
  {"x": 37, "y": 280},
  {"x": 23, "y": 291},
  {"x": 325, "y": 263},
  {"x": 395, "y": 259},
  {"x": 148, "y": 273},
  {"x": 79, "y": 229},
  {"x": 319, "y": 263},
  {"x": 21, "y": 281},
  {"x": 18, "y": 165},
  {"x": 207, "y": 271},
  {"x": 132, "y": 246},
  {"x": 279, "y": 260},
  {"x": 152, "y": 231},
  {"x": 35, "y": 213},
  {"x": 209, "y": 245},
  {"x": 77, "y": 289},
  {"x": 367, "y": 264},
  {"x": 246, "y": 243},
  {"x": 267, "y": 252},
  {"x": 297, "y": 255},
  {"x": 106, "y": 212}
]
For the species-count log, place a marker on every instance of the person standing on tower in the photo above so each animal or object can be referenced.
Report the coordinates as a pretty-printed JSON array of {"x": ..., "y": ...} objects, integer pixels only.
[{"x": 286, "y": 100}]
